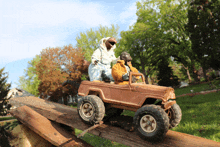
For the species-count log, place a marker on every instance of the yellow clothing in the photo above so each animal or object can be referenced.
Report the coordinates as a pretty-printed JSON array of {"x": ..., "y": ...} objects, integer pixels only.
[{"x": 119, "y": 69}]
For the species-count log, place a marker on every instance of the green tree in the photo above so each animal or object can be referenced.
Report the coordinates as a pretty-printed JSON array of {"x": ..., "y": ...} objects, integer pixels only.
[
  {"x": 89, "y": 41},
  {"x": 140, "y": 41},
  {"x": 30, "y": 81},
  {"x": 165, "y": 75},
  {"x": 204, "y": 30},
  {"x": 170, "y": 18},
  {"x": 4, "y": 89}
]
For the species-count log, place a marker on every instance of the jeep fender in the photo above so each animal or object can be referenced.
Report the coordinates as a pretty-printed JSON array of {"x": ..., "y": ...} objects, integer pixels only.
[{"x": 93, "y": 91}]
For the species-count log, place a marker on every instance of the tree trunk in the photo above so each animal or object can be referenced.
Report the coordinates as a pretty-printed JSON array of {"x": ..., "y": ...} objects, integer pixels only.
[
  {"x": 195, "y": 74},
  {"x": 204, "y": 73},
  {"x": 144, "y": 73},
  {"x": 188, "y": 74}
]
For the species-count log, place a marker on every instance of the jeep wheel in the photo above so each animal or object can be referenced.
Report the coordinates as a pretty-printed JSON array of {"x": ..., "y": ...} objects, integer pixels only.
[
  {"x": 91, "y": 109},
  {"x": 114, "y": 112},
  {"x": 151, "y": 122},
  {"x": 175, "y": 115}
]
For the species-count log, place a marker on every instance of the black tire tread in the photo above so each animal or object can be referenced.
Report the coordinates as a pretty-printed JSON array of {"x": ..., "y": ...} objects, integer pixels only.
[
  {"x": 177, "y": 114},
  {"x": 163, "y": 127},
  {"x": 99, "y": 108}
]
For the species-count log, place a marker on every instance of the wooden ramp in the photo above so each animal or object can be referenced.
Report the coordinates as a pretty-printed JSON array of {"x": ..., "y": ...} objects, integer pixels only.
[
  {"x": 69, "y": 116},
  {"x": 50, "y": 131}
]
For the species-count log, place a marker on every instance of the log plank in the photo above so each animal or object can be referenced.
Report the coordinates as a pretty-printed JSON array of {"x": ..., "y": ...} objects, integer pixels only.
[
  {"x": 45, "y": 128},
  {"x": 69, "y": 116}
]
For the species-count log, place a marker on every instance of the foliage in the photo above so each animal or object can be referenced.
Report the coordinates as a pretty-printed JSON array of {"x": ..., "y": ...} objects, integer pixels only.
[
  {"x": 203, "y": 26},
  {"x": 165, "y": 75},
  {"x": 58, "y": 65},
  {"x": 169, "y": 20},
  {"x": 142, "y": 44},
  {"x": 4, "y": 89},
  {"x": 178, "y": 70},
  {"x": 30, "y": 81},
  {"x": 89, "y": 41}
]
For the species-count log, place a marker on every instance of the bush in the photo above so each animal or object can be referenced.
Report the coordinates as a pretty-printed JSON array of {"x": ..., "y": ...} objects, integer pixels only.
[{"x": 4, "y": 88}]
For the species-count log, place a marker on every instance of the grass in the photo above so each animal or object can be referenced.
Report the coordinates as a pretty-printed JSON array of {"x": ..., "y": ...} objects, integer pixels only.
[
  {"x": 9, "y": 126},
  {"x": 200, "y": 116},
  {"x": 6, "y": 118},
  {"x": 199, "y": 87},
  {"x": 98, "y": 141}
]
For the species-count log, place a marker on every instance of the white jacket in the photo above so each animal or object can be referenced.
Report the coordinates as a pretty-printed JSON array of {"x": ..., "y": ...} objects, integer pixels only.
[{"x": 102, "y": 54}]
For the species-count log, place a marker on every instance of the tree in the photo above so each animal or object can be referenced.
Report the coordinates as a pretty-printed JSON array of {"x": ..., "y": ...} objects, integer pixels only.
[
  {"x": 4, "y": 89},
  {"x": 89, "y": 41},
  {"x": 170, "y": 19},
  {"x": 204, "y": 30},
  {"x": 140, "y": 42},
  {"x": 165, "y": 75},
  {"x": 30, "y": 81},
  {"x": 58, "y": 65}
]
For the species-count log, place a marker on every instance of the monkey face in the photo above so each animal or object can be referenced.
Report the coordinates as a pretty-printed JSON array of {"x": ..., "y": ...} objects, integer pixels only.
[
  {"x": 126, "y": 57},
  {"x": 110, "y": 42}
]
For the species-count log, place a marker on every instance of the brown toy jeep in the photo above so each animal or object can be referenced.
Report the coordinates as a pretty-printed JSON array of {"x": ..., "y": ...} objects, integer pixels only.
[{"x": 155, "y": 107}]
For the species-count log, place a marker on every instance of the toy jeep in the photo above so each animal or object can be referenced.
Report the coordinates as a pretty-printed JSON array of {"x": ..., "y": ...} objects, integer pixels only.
[{"x": 155, "y": 107}]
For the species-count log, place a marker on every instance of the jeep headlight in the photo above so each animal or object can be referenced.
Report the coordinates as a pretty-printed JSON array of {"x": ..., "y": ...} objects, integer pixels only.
[{"x": 172, "y": 95}]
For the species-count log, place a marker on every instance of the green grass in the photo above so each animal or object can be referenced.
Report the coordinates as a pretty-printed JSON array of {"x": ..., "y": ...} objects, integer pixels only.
[
  {"x": 198, "y": 88},
  {"x": 6, "y": 118},
  {"x": 98, "y": 141},
  {"x": 201, "y": 116},
  {"x": 9, "y": 126}
]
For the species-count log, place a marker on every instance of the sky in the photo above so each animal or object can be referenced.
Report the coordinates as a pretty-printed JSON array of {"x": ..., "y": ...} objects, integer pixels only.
[{"x": 28, "y": 26}]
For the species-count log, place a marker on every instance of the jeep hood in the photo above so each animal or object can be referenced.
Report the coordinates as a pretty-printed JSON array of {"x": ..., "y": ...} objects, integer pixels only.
[{"x": 153, "y": 89}]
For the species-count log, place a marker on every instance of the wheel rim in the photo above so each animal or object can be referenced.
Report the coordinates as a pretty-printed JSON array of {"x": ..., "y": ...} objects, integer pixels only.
[
  {"x": 148, "y": 123},
  {"x": 87, "y": 109},
  {"x": 170, "y": 113}
]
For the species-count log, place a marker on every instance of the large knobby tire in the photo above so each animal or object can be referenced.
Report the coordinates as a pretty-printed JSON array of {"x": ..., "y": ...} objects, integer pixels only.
[
  {"x": 91, "y": 109},
  {"x": 113, "y": 112},
  {"x": 151, "y": 123},
  {"x": 175, "y": 115}
]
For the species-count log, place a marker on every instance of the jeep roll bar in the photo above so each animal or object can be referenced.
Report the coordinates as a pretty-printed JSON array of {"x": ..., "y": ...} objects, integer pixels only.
[{"x": 135, "y": 74}]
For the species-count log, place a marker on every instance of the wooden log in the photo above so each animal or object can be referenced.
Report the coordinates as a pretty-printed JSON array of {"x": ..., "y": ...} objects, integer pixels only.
[
  {"x": 69, "y": 116},
  {"x": 45, "y": 128},
  {"x": 25, "y": 137}
]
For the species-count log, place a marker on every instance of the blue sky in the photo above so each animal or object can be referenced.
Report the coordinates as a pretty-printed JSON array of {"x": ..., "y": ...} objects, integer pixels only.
[{"x": 28, "y": 26}]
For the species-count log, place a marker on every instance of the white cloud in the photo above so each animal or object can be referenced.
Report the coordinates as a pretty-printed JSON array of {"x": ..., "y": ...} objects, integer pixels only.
[
  {"x": 53, "y": 14},
  {"x": 11, "y": 49},
  {"x": 41, "y": 14},
  {"x": 129, "y": 14},
  {"x": 26, "y": 27}
]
